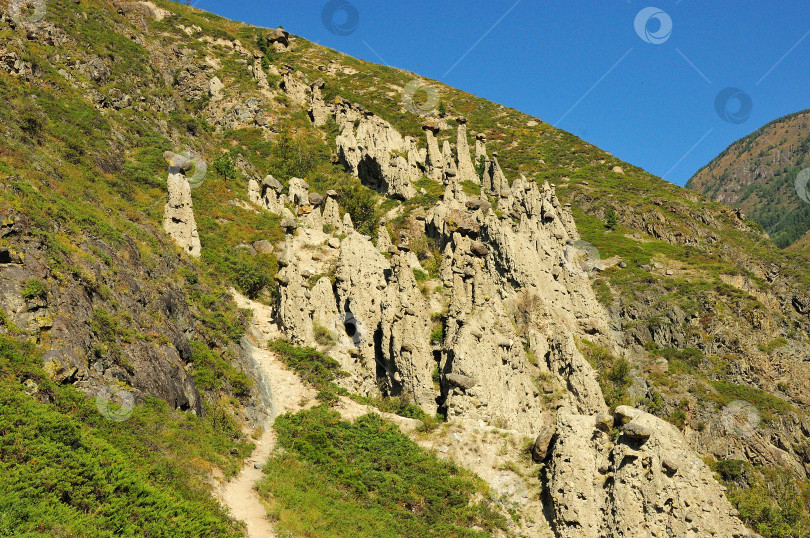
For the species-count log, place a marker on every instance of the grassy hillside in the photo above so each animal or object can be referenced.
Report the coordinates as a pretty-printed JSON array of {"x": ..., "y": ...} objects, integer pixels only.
[
  {"x": 758, "y": 174},
  {"x": 102, "y": 94}
]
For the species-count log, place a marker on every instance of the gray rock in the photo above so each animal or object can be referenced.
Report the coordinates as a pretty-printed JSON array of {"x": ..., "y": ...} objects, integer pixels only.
[
  {"x": 315, "y": 199},
  {"x": 604, "y": 422},
  {"x": 263, "y": 246},
  {"x": 462, "y": 381},
  {"x": 542, "y": 442},
  {"x": 478, "y": 249},
  {"x": 669, "y": 465},
  {"x": 272, "y": 183},
  {"x": 636, "y": 430}
]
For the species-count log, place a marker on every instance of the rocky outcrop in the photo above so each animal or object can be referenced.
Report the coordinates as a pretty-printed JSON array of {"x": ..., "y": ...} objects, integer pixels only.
[
  {"x": 376, "y": 153},
  {"x": 319, "y": 111},
  {"x": 434, "y": 160},
  {"x": 178, "y": 213},
  {"x": 406, "y": 330},
  {"x": 361, "y": 280},
  {"x": 512, "y": 298},
  {"x": 450, "y": 168},
  {"x": 480, "y": 147},
  {"x": 466, "y": 169},
  {"x": 267, "y": 194},
  {"x": 646, "y": 483}
]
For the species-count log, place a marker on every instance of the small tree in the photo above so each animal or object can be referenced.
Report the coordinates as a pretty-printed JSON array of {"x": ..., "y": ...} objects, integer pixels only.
[
  {"x": 610, "y": 219},
  {"x": 224, "y": 166}
]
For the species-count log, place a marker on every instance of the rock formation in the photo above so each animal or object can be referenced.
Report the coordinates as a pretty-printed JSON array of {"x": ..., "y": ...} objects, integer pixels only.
[
  {"x": 377, "y": 154},
  {"x": 518, "y": 305},
  {"x": 178, "y": 213},
  {"x": 405, "y": 345},
  {"x": 434, "y": 161},
  {"x": 466, "y": 169},
  {"x": 646, "y": 483}
]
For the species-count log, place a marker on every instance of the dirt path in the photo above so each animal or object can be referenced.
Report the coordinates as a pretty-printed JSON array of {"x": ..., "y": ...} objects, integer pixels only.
[{"x": 286, "y": 392}]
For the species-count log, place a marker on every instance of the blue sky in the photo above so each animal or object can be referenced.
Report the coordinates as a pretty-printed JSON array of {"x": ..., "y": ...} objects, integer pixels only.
[{"x": 647, "y": 96}]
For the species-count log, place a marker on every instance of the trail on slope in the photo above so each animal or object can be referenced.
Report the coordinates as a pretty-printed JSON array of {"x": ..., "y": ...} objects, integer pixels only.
[{"x": 286, "y": 392}]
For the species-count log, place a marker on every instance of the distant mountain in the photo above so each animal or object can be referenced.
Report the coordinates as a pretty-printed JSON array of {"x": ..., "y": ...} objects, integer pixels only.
[{"x": 758, "y": 175}]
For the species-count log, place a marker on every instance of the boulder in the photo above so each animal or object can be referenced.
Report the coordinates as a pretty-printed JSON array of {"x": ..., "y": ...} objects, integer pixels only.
[
  {"x": 462, "y": 381},
  {"x": 542, "y": 442},
  {"x": 263, "y": 246},
  {"x": 315, "y": 199},
  {"x": 637, "y": 431}
]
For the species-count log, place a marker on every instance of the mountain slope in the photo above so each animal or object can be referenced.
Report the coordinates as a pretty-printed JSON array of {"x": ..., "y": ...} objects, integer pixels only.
[
  {"x": 758, "y": 174},
  {"x": 697, "y": 309}
]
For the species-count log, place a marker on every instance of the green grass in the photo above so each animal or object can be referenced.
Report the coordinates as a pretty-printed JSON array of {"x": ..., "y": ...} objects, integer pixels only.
[
  {"x": 366, "y": 478},
  {"x": 770, "y": 501},
  {"x": 67, "y": 471}
]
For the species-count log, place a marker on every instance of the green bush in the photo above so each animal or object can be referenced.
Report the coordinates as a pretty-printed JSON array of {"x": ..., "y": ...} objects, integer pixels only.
[
  {"x": 367, "y": 478},
  {"x": 610, "y": 219},
  {"x": 770, "y": 501},
  {"x": 211, "y": 372},
  {"x": 251, "y": 279},
  {"x": 225, "y": 167},
  {"x": 614, "y": 374},
  {"x": 310, "y": 364},
  {"x": 34, "y": 289},
  {"x": 67, "y": 471}
]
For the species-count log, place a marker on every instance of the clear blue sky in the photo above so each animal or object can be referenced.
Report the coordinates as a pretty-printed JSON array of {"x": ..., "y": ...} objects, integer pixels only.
[{"x": 581, "y": 65}]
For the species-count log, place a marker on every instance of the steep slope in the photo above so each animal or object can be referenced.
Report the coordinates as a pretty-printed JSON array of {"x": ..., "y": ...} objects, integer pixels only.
[
  {"x": 428, "y": 276},
  {"x": 759, "y": 175}
]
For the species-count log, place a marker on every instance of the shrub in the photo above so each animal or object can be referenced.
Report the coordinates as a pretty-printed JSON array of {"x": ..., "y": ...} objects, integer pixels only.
[
  {"x": 367, "y": 478},
  {"x": 360, "y": 202},
  {"x": 225, "y": 167},
  {"x": 323, "y": 335},
  {"x": 310, "y": 364},
  {"x": 610, "y": 219},
  {"x": 251, "y": 279},
  {"x": 34, "y": 289}
]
